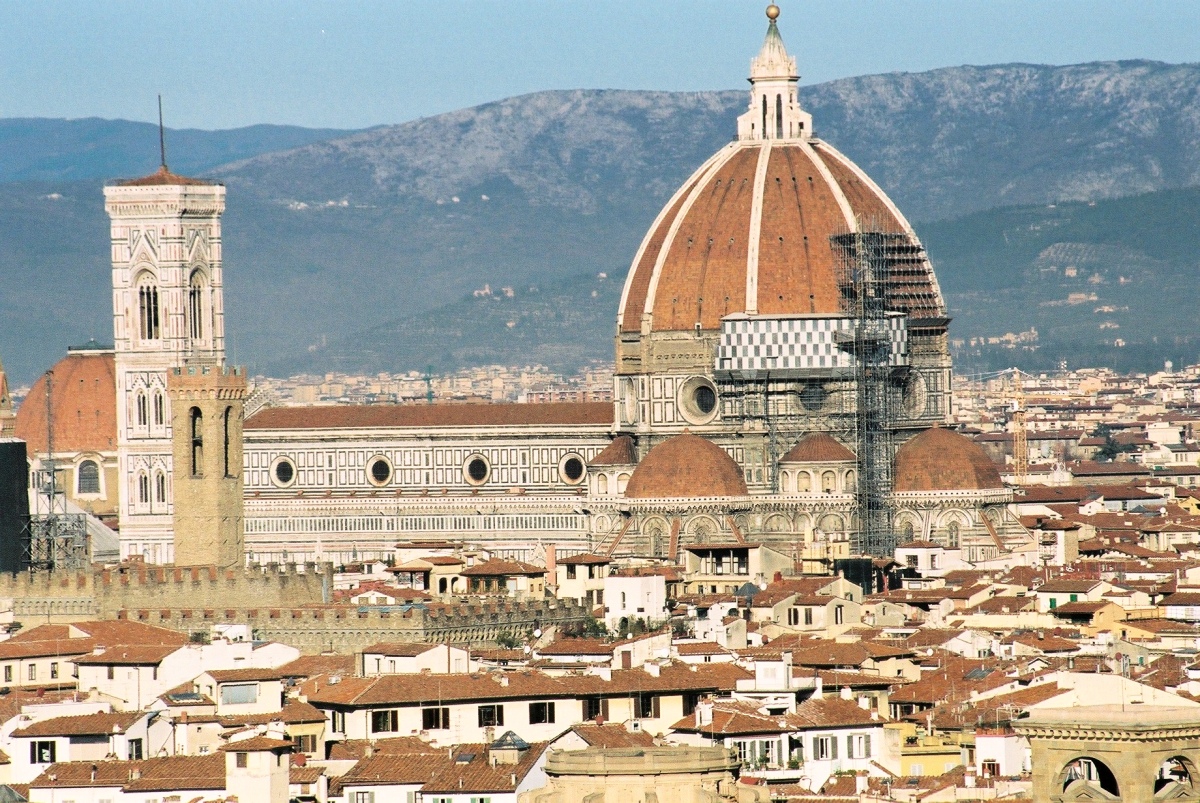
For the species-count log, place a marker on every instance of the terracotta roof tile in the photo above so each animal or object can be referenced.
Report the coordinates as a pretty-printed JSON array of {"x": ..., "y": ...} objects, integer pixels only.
[
  {"x": 621, "y": 452},
  {"x": 100, "y": 724},
  {"x": 818, "y": 447},
  {"x": 686, "y": 466},
  {"x": 383, "y": 416},
  {"x": 84, "y": 401}
]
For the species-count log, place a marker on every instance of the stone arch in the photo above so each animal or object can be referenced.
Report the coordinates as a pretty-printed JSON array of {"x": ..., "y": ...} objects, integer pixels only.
[
  {"x": 1176, "y": 777},
  {"x": 828, "y": 482},
  {"x": 622, "y": 481},
  {"x": 1084, "y": 776},
  {"x": 803, "y": 482},
  {"x": 785, "y": 482},
  {"x": 703, "y": 529},
  {"x": 655, "y": 529},
  {"x": 849, "y": 481},
  {"x": 907, "y": 526},
  {"x": 804, "y": 525},
  {"x": 777, "y": 523},
  {"x": 602, "y": 484},
  {"x": 950, "y": 527},
  {"x": 831, "y": 523}
]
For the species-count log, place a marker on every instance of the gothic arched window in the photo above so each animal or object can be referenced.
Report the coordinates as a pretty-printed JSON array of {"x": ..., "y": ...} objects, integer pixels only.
[
  {"x": 143, "y": 489},
  {"x": 159, "y": 409},
  {"x": 779, "y": 117},
  {"x": 196, "y": 295},
  {"x": 160, "y": 488},
  {"x": 148, "y": 314},
  {"x": 143, "y": 415}
]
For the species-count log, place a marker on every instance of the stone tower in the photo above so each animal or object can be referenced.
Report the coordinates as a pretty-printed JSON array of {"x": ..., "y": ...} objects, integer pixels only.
[
  {"x": 168, "y": 310},
  {"x": 206, "y": 421}
]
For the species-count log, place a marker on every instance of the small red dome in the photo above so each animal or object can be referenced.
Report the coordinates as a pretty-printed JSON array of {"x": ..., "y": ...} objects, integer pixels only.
[
  {"x": 818, "y": 447},
  {"x": 686, "y": 466},
  {"x": 941, "y": 460},
  {"x": 84, "y": 401}
]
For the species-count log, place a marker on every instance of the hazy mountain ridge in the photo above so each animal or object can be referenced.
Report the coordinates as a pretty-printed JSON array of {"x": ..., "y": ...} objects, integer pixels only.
[
  {"x": 327, "y": 241},
  {"x": 941, "y": 143},
  {"x": 37, "y": 149}
]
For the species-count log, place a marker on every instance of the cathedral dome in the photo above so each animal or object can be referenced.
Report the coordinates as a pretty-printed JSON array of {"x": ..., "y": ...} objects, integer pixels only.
[
  {"x": 686, "y": 466},
  {"x": 818, "y": 447},
  {"x": 938, "y": 459},
  {"x": 749, "y": 232},
  {"x": 83, "y": 405}
]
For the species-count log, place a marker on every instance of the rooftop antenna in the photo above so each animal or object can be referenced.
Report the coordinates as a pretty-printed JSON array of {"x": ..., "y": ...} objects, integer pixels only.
[{"x": 162, "y": 140}]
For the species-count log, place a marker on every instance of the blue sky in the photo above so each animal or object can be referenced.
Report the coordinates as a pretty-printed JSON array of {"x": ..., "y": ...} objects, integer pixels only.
[{"x": 351, "y": 64}]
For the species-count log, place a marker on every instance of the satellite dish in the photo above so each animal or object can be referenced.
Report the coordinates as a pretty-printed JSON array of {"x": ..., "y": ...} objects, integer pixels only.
[
  {"x": 537, "y": 633},
  {"x": 527, "y": 649}
]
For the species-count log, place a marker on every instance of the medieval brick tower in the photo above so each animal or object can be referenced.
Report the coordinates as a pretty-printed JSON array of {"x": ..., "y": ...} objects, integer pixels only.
[
  {"x": 206, "y": 422},
  {"x": 167, "y": 312}
]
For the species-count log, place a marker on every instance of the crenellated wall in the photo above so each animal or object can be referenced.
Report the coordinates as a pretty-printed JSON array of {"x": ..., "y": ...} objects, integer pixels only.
[
  {"x": 346, "y": 629},
  {"x": 63, "y": 597}
]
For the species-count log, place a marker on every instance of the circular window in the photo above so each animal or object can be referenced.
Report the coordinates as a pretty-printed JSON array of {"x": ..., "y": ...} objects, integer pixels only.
[
  {"x": 476, "y": 470},
  {"x": 379, "y": 470},
  {"x": 572, "y": 469},
  {"x": 813, "y": 397},
  {"x": 283, "y": 473},
  {"x": 698, "y": 400}
]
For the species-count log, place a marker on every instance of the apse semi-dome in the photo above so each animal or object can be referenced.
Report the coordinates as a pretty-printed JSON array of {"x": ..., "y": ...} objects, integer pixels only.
[
  {"x": 749, "y": 232},
  {"x": 818, "y": 447},
  {"x": 686, "y": 466},
  {"x": 942, "y": 460}
]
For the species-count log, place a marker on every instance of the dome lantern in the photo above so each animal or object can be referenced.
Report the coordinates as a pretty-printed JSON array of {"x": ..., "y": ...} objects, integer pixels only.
[{"x": 774, "y": 111}]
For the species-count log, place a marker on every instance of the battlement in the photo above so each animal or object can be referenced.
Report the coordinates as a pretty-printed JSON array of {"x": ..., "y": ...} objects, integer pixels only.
[
  {"x": 350, "y": 628},
  {"x": 59, "y": 595},
  {"x": 207, "y": 381}
]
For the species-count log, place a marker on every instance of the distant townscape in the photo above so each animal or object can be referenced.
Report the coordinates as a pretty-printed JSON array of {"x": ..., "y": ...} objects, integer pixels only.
[{"x": 778, "y": 534}]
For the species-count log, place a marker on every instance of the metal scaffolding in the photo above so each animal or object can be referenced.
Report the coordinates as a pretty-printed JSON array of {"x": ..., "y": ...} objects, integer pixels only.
[
  {"x": 55, "y": 539},
  {"x": 864, "y": 259}
]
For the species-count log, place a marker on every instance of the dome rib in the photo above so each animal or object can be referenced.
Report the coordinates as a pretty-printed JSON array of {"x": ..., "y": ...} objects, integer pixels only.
[
  {"x": 749, "y": 233},
  {"x": 636, "y": 292}
]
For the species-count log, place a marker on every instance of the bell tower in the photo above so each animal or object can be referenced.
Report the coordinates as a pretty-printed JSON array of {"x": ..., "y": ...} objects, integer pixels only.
[
  {"x": 207, "y": 404},
  {"x": 168, "y": 311}
]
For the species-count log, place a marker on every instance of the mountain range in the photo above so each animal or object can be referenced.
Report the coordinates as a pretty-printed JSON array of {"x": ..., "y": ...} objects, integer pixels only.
[{"x": 1045, "y": 195}]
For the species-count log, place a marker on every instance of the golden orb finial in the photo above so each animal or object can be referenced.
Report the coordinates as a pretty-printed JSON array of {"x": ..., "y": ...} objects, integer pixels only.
[{"x": 772, "y": 12}]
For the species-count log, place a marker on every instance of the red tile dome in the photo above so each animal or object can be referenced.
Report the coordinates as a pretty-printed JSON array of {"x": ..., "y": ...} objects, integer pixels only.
[
  {"x": 938, "y": 459},
  {"x": 83, "y": 401},
  {"x": 750, "y": 232},
  {"x": 686, "y": 466},
  {"x": 818, "y": 447}
]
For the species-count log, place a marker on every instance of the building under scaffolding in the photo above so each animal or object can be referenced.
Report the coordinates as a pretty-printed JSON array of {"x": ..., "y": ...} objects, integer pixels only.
[
  {"x": 872, "y": 266},
  {"x": 55, "y": 538}
]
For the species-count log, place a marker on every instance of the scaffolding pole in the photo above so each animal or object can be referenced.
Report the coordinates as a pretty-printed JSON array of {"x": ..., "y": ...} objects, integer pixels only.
[{"x": 864, "y": 259}]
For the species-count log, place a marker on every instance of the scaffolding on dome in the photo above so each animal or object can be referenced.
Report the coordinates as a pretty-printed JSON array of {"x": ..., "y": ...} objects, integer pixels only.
[{"x": 869, "y": 262}]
